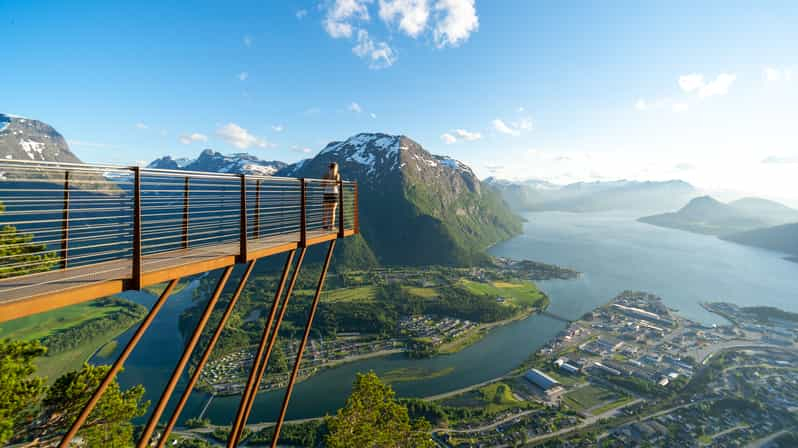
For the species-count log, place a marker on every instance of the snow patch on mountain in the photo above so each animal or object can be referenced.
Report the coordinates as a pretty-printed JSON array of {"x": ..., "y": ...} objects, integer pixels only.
[{"x": 33, "y": 149}]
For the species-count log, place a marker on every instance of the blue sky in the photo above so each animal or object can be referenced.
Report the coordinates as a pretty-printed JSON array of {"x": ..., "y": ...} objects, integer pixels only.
[{"x": 705, "y": 91}]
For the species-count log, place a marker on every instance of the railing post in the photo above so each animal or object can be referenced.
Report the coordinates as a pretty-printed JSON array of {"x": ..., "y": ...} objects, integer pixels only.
[
  {"x": 242, "y": 256},
  {"x": 340, "y": 209},
  {"x": 185, "y": 213},
  {"x": 257, "y": 209},
  {"x": 303, "y": 231},
  {"x": 65, "y": 224},
  {"x": 137, "y": 252}
]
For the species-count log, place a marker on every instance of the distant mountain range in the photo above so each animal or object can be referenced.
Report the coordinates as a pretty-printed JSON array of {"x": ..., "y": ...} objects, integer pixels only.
[
  {"x": 642, "y": 197},
  {"x": 26, "y": 139},
  {"x": 211, "y": 161},
  {"x": 416, "y": 207},
  {"x": 782, "y": 238},
  {"x": 709, "y": 216}
]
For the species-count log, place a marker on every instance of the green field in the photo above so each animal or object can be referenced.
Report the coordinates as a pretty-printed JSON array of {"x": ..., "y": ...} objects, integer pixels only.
[
  {"x": 521, "y": 293},
  {"x": 355, "y": 294},
  {"x": 494, "y": 397},
  {"x": 424, "y": 293},
  {"x": 406, "y": 374},
  {"x": 588, "y": 397},
  {"x": 45, "y": 324}
]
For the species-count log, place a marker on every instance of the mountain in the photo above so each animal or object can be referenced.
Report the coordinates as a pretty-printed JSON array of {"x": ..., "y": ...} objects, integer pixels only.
[
  {"x": 782, "y": 238},
  {"x": 537, "y": 195},
  {"x": 710, "y": 216},
  {"x": 211, "y": 161},
  {"x": 25, "y": 139},
  {"x": 416, "y": 207}
]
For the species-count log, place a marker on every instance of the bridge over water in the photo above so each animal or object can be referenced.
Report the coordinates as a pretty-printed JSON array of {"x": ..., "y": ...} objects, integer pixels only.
[{"x": 98, "y": 230}]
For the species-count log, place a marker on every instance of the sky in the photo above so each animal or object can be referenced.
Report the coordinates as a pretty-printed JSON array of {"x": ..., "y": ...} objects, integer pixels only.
[{"x": 563, "y": 91}]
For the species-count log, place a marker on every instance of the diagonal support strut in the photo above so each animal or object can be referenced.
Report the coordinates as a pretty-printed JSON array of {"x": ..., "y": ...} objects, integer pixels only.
[
  {"x": 301, "y": 350},
  {"x": 181, "y": 364},
  {"x": 120, "y": 361},
  {"x": 248, "y": 400},
  {"x": 206, "y": 355},
  {"x": 254, "y": 379}
]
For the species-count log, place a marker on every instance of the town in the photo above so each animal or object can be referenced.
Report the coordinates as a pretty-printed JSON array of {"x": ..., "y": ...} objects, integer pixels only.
[{"x": 634, "y": 373}]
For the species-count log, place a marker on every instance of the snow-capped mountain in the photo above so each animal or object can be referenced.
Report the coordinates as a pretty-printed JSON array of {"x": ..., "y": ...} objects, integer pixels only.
[
  {"x": 26, "y": 139},
  {"x": 415, "y": 207},
  {"x": 211, "y": 161}
]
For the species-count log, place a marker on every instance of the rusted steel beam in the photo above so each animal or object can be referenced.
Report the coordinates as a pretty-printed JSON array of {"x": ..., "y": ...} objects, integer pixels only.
[
  {"x": 262, "y": 345},
  {"x": 205, "y": 356},
  {"x": 181, "y": 364},
  {"x": 235, "y": 437},
  {"x": 185, "y": 212},
  {"x": 242, "y": 256},
  {"x": 65, "y": 224},
  {"x": 302, "y": 345},
  {"x": 120, "y": 361},
  {"x": 137, "y": 254}
]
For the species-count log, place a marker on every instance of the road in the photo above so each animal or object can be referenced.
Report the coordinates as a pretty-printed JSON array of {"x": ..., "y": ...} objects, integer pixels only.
[{"x": 487, "y": 427}]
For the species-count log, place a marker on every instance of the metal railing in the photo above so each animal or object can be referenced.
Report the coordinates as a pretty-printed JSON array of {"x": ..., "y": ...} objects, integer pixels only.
[{"x": 82, "y": 214}]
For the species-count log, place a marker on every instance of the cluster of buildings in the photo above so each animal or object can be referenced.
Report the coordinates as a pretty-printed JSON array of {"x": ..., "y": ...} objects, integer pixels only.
[{"x": 437, "y": 330}]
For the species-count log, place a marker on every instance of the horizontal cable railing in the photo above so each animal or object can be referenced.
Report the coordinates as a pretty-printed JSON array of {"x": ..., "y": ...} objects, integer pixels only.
[{"x": 59, "y": 216}]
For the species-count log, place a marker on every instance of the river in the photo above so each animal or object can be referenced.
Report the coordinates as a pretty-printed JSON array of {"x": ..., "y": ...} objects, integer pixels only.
[{"x": 612, "y": 250}]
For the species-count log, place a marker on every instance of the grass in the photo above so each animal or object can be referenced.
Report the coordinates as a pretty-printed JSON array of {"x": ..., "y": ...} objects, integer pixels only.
[
  {"x": 588, "y": 397},
  {"x": 521, "y": 293},
  {"x": 472, "y": 336},
  {"x": 108, "y": 349},
  {"x": 424, "y": 293},
  {"x": 45, "y": 324},
  {"x": 355, "y": 294},
  {"x": 494, "y": 397},
  {"x": 407, "y": 374},
  {"x": 612, "y": 405},
  {"x": 157, "y": 289}
]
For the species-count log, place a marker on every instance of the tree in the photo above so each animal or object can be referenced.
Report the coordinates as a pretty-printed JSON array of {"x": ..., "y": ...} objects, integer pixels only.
[
  {"x": 372, "y": 418},
  {"x": 19, "y": 389},
  {"x": 109, "y": 424},
  {"x": 19, "y": 254}
]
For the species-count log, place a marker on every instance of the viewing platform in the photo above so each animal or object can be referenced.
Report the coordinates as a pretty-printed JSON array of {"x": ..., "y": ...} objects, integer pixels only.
[{"x": 98, "y": 230}]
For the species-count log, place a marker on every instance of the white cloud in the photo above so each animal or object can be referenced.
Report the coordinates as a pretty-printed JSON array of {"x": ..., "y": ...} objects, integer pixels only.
[
  {"x": 524, "y": 124},
  {"x": 247, "y": 41},
  {"x": 521, "y": 110},
  {"x": 243, "y": 76},
  {"x": 354, "y": 107},
  {"x": 278, "y": 128},
  {"x": 695, "y": 82},
  {"x": 691, "y": 82},
  {"x": 777, "y": 74},
  {"x": 467, "y": 135},
  {"x": 448, "y": 138},
  {"x": 191, "y": 138},
  {"x": 240, "y": 137},
  {"x": 341, "y": 12},
  {"x": 680, "y": 107},
  {"x": 504, "y": 128},
  {"x": 301, "y": 14},
  {"x": 301, "y": 149},
  {"x": 373, "y": 115},
  {"x": 412, "y": 14},
  {"x": 141, "y": 126},
  {"x": 720, "y": 86},
  {"x": 379, "y": 54},
  {"x": 456, "y": 20}
]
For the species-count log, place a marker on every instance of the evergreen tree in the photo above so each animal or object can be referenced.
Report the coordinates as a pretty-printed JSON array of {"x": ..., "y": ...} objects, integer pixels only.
[
  {"x": 19, "y": 389},
  {"x": 19, "y": 254},
  {"x": 372, "y": 418}
]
